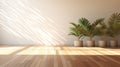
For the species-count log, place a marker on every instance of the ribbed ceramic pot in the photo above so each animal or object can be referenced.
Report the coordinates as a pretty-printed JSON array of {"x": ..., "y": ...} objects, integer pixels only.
[
  {"x": 78, "y": 43},
  {"x": 113, "y": 43},
  {"x": 102, "y": 43},
  {"x": 90, "y": 43}
]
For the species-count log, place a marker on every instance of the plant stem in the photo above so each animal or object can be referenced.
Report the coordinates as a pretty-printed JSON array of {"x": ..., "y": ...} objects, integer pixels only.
[
  {"x": 113, "y": 38},
  {"x": 78, "y": 38},
  {"x": 90, "y": 37},
  {"x": 102, "y": 37}
]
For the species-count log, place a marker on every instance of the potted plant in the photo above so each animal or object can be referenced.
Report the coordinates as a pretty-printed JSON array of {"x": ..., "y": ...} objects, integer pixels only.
[
  {"x": 102, "y": 32},
  {"x": 90, "y": 29},
  {"x": 76, "y": 30},
  {"x": 114, "y": 28}
]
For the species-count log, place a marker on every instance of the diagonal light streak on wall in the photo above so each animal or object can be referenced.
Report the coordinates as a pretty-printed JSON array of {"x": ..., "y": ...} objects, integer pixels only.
[{"x": 22, "y": 21}]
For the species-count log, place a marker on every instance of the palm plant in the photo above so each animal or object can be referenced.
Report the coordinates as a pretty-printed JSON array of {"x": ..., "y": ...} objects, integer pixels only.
[
  {"x": 113, "y": 29},
  {"x": 103, "y": 31},
  {"x": 90, "y": 29},
  {"x": 114, "y": 25},
  {"x": 76, "y": 30}
]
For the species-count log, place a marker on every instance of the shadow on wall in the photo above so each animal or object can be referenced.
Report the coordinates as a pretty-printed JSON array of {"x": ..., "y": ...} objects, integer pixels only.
[{"x": 22, "y": 24}]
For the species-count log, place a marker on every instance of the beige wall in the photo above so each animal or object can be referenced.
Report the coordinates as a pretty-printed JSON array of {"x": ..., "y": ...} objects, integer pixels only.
[{"x": 47, "y": 21}]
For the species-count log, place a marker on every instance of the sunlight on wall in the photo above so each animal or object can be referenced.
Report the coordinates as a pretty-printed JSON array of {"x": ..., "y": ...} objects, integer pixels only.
[
  {"x": 46, "y": 22},
  {"x": 25, "y": 23}
]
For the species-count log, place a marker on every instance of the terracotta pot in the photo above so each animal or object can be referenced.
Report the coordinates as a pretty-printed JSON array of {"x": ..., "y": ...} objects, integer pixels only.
[
  {"x": 90, "y": 43},
  {"x": 78, "y": 43},
  {"x": 113, "y": 43},
  {"x": 102, "y": 43}
]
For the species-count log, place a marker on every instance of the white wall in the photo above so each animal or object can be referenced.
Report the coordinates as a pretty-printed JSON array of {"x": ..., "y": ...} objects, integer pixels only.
[{"x": 46, "y": 22}]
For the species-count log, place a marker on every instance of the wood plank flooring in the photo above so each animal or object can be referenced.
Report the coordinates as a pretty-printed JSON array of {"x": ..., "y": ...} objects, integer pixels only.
[{"x": 43, "y": 56}]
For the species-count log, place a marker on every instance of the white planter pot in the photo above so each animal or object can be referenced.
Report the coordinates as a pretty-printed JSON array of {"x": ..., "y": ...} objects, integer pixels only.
[
  {"x": 90, "y": 43},
  {"x": 102, "y": 43},
  {"x": 113, "y": 43},
  {"x": 78, "y": 43}
]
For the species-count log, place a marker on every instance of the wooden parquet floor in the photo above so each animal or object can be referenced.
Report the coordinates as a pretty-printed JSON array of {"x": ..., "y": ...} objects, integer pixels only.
[{"x": 43, "y": 56}]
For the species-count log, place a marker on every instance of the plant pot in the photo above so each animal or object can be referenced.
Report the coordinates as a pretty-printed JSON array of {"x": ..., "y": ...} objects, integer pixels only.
[
  {"x": 113, "y": 43},
  {"x": 102, "y": 43},
  {"x": 78, "y": 43},
  {"x": 90, "y": 43}
]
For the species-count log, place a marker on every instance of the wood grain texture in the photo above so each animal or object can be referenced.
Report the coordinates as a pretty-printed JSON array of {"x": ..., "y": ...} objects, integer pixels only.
[{"x": 44, "y": 56}]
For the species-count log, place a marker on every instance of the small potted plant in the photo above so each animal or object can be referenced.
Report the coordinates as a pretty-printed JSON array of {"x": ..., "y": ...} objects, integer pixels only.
[
  {"x": 90, "y": 29},
  {"x": 76, "y": 30},
  {"x": 114, "y": 28},
  {"x": 102, "y": 30}
]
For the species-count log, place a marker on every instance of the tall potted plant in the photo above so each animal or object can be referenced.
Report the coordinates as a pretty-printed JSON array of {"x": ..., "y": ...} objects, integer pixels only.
[
  {"x": 76, "y": 30},
  {"x": 114, "y": 28},
  {"x": 90, "y": 29}
]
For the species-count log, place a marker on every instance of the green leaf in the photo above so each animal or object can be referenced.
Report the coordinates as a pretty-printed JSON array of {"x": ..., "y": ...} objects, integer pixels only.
[{"x": 114, "y": 24}]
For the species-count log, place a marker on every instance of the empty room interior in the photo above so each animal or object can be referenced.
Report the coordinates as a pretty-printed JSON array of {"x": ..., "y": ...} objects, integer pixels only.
[{"x": 59, "y": 33}]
